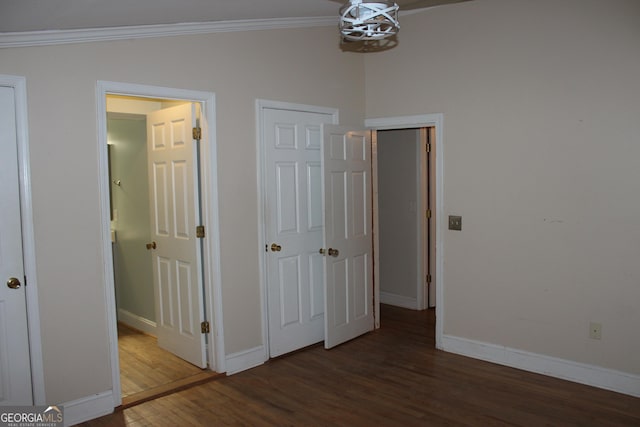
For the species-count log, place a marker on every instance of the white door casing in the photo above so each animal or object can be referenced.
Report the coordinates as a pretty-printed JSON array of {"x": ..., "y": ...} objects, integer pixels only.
[
  {"x": 15, "y": 369},
  {"x": 210, "y": 212},
  {"x": 175, "y": 214},
  {"x": 294, "y": 224},
  {"x": 347, "y": 239},
  {"x": 434, "y": 121}
]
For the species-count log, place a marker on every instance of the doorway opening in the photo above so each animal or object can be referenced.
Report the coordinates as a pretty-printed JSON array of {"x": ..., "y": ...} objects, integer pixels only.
[
  {"x": 147, "y": 365},
  {"x": 404, "y": 217},
  {"x": 159, "y": 194},
  {"x": 421, "y": 206}
]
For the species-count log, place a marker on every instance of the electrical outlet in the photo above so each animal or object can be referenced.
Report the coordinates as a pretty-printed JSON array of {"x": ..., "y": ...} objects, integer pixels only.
[
  {"x": 595, "y": 330},
  {"x": 455, "y": 222}
]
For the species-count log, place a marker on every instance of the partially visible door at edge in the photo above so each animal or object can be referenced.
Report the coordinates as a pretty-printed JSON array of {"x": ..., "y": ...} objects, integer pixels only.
[
  {"x": 294, "y": 224},
  {"x": 15, "y": 370},
  {"x": 347, "y": 238},
  {"x": 175, "y": 214}
]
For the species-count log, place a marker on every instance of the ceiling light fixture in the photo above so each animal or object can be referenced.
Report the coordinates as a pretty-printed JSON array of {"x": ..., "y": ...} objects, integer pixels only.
[{"x": 369, "y": 20}]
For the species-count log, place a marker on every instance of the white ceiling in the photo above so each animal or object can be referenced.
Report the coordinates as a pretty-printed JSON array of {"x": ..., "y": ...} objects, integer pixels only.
[{"x": 39, "y": 15}]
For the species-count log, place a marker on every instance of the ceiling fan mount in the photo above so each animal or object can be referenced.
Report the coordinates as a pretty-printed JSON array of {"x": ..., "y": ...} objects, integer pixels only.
[
  {"x": 372, "y": 20},
  {"x": 368, "y": 20}
]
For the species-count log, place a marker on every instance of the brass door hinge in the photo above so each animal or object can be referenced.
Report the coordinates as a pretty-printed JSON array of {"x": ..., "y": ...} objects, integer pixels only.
[
  {"x": 200, "y": 232},
  {"x": 205, "y": 328},
  {"x": 428, "y": 213},
  {"x": 197, "y": 133},
  {"x": 428, "y": 278},
  {"x": 428, "y": 147}
]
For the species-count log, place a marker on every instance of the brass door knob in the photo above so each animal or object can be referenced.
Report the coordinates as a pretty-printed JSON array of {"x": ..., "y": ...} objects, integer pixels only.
[
  {"x": 333, "y": 252},
  {"x": 321, "y": 251},
  {"x": 13, "y": 283},
  {"x": 275, "y": 247},
  {"x": 151, "y": 245}
]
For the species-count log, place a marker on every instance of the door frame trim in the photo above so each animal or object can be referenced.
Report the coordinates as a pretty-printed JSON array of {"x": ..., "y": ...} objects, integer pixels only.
[
  {"x": 209, "y": 183},
  {"x": 261, "y": 105},
  {"x": 437, "y": 151},
  {"x": 19, "y": 85}
]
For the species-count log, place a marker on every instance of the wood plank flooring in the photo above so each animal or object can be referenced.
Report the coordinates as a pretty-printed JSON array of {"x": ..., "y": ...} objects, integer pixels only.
[
  {"x": 390, "y": 377},
  {"x": 147, "y": 371}
]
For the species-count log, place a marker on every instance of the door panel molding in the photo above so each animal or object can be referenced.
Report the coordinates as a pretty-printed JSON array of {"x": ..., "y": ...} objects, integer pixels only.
[
  {"x": 174, "y": 205},
  {"x": 313, "y": 142},
  {"x": 347, "y": 201},
  {"x": 19, "y": 85}
]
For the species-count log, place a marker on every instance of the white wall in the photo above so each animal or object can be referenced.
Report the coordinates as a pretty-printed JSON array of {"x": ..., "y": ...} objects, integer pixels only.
[
  {"x": 540, "y": 102},
  {"x": 303, "y": 66},
  {"x": 398, "y": 206}
]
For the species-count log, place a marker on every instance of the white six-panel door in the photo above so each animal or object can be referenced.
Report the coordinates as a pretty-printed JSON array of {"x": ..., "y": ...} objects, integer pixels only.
[
  {"x": 172, "y": 169},
  {"x": 15, "y": 370},
  {"x": 347, "y": 234},
  {"x": 294, "y": 224},
  {"x": 317, "y": 197}
]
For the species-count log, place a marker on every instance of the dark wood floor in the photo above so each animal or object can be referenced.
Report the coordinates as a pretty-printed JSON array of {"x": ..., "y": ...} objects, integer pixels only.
[{"x": 390, "y": 377}]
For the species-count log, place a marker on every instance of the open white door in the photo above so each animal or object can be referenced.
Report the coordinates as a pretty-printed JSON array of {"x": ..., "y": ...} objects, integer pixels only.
[
  {"x": 347, "y": 234},
  {"x": 175, "y": 214},
  {"x": 15, "y": 369}
]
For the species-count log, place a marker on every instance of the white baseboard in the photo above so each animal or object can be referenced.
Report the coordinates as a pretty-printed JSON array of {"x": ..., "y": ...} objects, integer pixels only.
[
  {"x": 569, "y": 370},
  {"x": 244, "y": 360},
  {"x": 398, "y": 300},
  {"x": 138, "y": 322},
  {"x": 88, "y": 408}
]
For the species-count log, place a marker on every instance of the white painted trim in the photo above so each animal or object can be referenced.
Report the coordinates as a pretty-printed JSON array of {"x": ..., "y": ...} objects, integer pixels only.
[
  {"x": 137, "y": 322},
  {"x": 420, "y": 121},
  {"x": 88, "y": 408},
  {"x": 247, "y": 359},
  {"x": 421, "y": 221},
  {"x": 211, "y": 218},
  {"x": 56, "y": 37},
  {"x": 261, "y": 105},
  {"x": 211, "y": 257},
  {"x": 403, "y": 122},
  {"x": 569, "y": 370},
  {"x": 375, "y": 217},
  {"x": 279, "y": 105},
  {"x": 399, "y": 300},
  {"x": 19, "y": 85}
]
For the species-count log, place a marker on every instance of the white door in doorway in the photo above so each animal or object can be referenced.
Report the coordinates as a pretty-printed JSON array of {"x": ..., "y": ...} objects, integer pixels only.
[
  {"x": 294, "y": 224},
  {"x": 175, "y": 214},
  {"x": 15, "y": 370},
  {"x": 313, "y": 203},
  {"x": 347, "y": 237}
]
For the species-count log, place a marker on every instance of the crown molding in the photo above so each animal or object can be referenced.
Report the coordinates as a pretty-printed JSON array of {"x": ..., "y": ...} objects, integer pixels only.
[{"x": 55, "y": 37}]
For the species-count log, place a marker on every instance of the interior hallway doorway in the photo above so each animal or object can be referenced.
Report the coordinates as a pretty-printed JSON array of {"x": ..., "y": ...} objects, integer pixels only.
[
  {"x": 149, "y": 363},
  {"x": 428, "y": 207},
  {"x": 405, "y": 217},
  {"x": 161, "y": 236}
]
